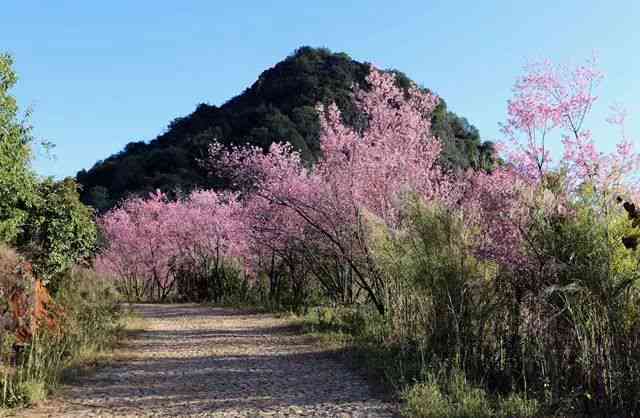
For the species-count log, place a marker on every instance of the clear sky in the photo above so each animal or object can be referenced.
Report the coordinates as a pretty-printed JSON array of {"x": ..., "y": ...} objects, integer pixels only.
[{"x": 98, "y": 75}]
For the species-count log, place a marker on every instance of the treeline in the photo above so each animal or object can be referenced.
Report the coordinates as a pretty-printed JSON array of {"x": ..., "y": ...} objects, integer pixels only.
[{"x": 279, "y": 106}]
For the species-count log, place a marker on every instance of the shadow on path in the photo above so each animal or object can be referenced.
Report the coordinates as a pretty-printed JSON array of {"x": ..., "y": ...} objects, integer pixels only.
[{"x": 198, "y": 361}]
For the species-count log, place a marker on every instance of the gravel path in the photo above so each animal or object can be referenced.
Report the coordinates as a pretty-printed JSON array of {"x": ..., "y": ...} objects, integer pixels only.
[{"x": 215, "y": 362}]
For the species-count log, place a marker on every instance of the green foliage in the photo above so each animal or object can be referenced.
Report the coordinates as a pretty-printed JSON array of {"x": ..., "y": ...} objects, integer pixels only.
[
  {"x": 516, "y": 405},
  {"x": 43, "y": 218},
  {"x": 462, "y": 145},
  {"x": 90, "y": 325},
  {"x": 48, "y": 220},
  {"x": 426, "y": 400},
  {"x": 438, "y": 293},
  {"x": 17, "y": 182},
  {"x": 279, "y": 106},
  {"x": 60, "y": 230},
  {"x": 92, "y": 308},
  {"x": 210, "y": 279},
  {"x": 450, "y": 397},
  {"x": 590, "y": 295}
]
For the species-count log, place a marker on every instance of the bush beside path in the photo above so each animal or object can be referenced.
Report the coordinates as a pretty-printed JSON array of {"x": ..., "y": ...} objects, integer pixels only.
[{"x": 198, "y": 361}]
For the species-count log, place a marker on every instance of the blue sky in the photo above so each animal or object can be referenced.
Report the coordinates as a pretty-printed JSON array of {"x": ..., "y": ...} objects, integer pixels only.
[{"x": 98, "y": 75}]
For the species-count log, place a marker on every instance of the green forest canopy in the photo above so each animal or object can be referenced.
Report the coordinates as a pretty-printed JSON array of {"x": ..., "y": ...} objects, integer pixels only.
[{"x": 279, "y": 106}]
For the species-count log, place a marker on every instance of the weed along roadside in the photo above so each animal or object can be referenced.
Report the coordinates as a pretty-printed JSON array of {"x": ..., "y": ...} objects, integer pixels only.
[{"x": 83, "y": 323}]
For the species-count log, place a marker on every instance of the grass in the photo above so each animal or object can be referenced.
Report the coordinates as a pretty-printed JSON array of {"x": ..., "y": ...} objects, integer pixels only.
[
  {"x": 452, "y": 396},
  {"x": 90, "y": 358},
  {"x": 93, "y": 324},
  {"x": 397, "y": 371},
  {"x": 340, "y": 331}
]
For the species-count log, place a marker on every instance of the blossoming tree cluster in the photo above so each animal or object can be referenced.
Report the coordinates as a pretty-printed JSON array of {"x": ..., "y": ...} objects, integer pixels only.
[
  {"x": 151, "y": 241},
  {"x": 318, "y": 215},
  {"x": 313, "y": 222}
]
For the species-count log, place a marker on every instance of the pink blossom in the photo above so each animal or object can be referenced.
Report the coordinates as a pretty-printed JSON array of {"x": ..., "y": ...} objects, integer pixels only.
[{"x": 149, "y": 238}]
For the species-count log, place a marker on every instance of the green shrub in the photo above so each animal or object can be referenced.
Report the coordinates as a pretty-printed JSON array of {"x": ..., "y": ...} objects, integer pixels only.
[
  {"x": 447, "y": 397},
  {"x": 425, "y": 400},
  {"x": 89, "y": 325},
  {"x": 42, "y": 218},
  {"x": 17, "y": 180},
  {"x": 33, "y": 390},
  {"x": 453, "y": 397},
  {"x": 516, "y": 405},
  {"x": 92, "y": 308},
  {"x": 59, "y": 231}
]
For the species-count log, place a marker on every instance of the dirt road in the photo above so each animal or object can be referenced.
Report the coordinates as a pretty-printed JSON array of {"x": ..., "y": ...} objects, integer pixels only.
[{"x": 214, "y": 362}]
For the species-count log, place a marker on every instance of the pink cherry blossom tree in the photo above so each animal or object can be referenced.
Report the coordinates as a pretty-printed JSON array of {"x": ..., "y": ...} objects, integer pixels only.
[
  {"x": 139, "y": 247},
  {"x": 209, "y": 244},
  {"x": 153, "y": 242},
  {"x": 359, "y": 172},
  {"x": 552, "y": 103},
  {"x": 548, "y": 99}
]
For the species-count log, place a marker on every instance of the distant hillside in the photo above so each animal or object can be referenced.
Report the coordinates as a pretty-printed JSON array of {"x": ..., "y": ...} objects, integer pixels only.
[{"x": 279, "y": 106}]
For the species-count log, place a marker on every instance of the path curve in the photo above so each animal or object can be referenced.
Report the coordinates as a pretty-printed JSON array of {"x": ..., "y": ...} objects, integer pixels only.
[{"x": 195, "y": 361}]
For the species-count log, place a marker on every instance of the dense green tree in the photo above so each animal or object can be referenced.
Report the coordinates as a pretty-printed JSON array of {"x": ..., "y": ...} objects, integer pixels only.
[
  {"x": 59, "y": 230},
  {"x": 462, "y": 146},
  {"x": 44, "y": 219},
  {"x": 17, "y": 182},
  {"x": 279, "y": 106}
]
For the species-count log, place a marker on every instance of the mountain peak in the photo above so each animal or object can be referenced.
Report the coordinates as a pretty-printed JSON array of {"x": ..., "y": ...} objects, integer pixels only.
[{"x": 278, "y": 106}]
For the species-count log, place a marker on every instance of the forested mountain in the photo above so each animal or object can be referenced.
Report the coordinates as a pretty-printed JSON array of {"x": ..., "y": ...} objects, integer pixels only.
[{"x": 279, "y": 106}]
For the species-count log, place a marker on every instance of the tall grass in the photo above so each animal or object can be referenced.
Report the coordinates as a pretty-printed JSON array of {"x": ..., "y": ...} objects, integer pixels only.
[
  {"x": 465, "y": 338},
  {"x": 90, "y": 324}
]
